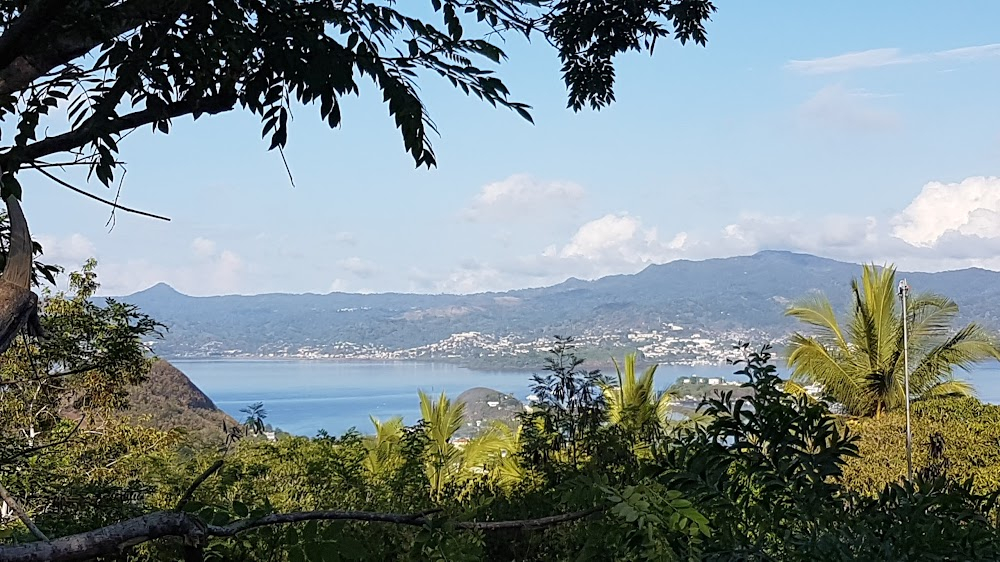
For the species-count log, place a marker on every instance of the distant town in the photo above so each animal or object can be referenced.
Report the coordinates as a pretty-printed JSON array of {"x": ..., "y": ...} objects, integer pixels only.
[{"x": 670, "y": 344}]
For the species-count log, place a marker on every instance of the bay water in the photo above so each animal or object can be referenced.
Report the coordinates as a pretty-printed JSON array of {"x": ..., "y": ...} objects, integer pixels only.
[{"x": 302, "y": 397}]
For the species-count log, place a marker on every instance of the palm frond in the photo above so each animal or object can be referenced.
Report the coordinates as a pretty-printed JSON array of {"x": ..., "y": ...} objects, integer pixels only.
[
  {"x": 880, "y": 302},
  {"x": 929, "y": 316},
  {"x": 383, "y": 452},
  {"x": 818, "y": 313},
  {"x": 964, "y": 349},
  {"x": 866, "y": 373},
  {"x": 481, "y": 449},
  {"x": 443, "y": 418},
  {"x": 813, "y": 363},
  {"x": 864, "y": 330},
  {"x": 793, "y": 388},
  {"x": 635, "y": 401},
  {"x": 949, "y": 388}
]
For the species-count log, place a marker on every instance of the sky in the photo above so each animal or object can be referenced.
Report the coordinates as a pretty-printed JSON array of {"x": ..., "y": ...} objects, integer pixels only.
[{"x": 862, "y": 131}]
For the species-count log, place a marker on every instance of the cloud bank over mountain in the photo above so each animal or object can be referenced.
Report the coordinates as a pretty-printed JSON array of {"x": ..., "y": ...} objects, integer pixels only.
[{"x": 945, "y": 226}]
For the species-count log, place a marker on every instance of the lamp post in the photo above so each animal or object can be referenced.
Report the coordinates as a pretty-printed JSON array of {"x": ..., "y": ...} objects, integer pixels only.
[{"x": 904, "y": 292}]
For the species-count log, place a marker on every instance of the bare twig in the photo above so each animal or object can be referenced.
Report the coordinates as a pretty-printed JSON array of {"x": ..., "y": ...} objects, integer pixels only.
[
  {"x": 39, "y": 448},
  {"x": 288, "y": 170},
  {"x": 40, "y": 164},
  {"x": 50, "y": 376},
  {"x": 21, "y": 514},
  {"x": 111, "y": 220},
  {"x": 96, "y": 198},
  {"x": 197, "y": 482}
]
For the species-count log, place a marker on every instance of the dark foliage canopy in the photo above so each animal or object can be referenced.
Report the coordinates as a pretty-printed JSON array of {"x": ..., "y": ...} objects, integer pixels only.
[{"x": 117, "y": 65}]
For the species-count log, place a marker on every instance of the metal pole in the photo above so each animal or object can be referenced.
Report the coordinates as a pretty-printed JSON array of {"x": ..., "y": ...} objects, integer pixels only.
[{"x": 904, "y": 291}]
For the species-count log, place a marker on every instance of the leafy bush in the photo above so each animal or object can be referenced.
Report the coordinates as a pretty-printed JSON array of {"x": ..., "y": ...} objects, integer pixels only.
[{"x": 970, "y": 431}]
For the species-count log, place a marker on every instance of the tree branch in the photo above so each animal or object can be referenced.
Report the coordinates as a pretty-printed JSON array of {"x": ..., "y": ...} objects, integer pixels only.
[
  {"x": 28, "y": 25},
  {"x": 48, "y": 376},
  {"x": 111, "y": 539},
  {"x": 21, "y": 514},
  {"x": 197, "y": 482},
  {"x": 47, "y": 51},
  {"x": 38, "y": 448},
  {"x": 529, "y": 524},
  {"x": 92, "y": 128}
]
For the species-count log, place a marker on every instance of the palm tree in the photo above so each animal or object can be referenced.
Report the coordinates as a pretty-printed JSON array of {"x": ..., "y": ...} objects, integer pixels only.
[
  {"x": 254, "y": 421},
  {"x": 384, "y": 455},
  {"x": 634, "y": 404},
  {"x": 448, "y": 463},
  {"x": 860, "y": 364}
]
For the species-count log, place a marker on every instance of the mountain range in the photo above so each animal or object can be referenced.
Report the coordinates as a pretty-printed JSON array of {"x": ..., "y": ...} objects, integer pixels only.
[{"x": 725, "y": 298}]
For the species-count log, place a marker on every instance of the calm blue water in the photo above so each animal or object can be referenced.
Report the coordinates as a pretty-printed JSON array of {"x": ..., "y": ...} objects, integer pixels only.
[{"x": 303, "y": 397}]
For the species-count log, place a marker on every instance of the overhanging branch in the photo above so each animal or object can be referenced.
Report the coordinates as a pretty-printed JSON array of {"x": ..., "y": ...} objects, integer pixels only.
[
  {"x": 46, "y": 51},
  {"x": 93, "y": 128},
  {"x": 111, "y": 539},
  {"x": 29, "y": 24}
]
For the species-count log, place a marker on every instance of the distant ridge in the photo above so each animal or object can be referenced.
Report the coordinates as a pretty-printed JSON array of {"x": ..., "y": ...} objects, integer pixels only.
[
  {"x": 771, "y": 257},
  {"x": 160, "y": 288},
  {"x": 726, "y": 298}
]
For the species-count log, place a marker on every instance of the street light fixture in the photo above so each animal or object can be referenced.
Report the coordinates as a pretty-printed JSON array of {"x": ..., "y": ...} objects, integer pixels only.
[{"x": 904, "y": 292}]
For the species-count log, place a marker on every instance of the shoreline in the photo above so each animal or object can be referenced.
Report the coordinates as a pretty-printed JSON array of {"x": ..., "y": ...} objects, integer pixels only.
[{"x": 602, "y": 366}]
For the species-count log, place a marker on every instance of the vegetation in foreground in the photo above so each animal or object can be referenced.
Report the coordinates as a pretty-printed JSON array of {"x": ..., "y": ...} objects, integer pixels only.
[{"x": 595, "y": 471}]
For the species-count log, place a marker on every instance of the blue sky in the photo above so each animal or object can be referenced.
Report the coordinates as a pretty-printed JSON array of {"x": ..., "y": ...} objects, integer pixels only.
[{"x": 855, "y": 130}]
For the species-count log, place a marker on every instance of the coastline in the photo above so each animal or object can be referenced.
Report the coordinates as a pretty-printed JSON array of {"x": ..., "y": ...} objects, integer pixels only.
[{"x": 604, "y": 366}]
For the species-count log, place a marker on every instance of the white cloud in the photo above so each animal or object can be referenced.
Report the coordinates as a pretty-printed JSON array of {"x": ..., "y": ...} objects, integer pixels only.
[
  {"x": 615, "y": 238},
  {"x": 872, "y": 58},
  {"x": 223, "y": 273},
  {"x": 521, "y": 197},
  {"x": 358, "y": 267},
  {"x": 472, "y": 280},
  {"x": 839, "y": 108},
  {"x": 944, "y": 226},
  {"x": 614, "y": 243},
  {"x": 970, "y": 208},
  {"x": 877, "y": 58},
  {"x": 469, "y": 276},
  {"x": 227, "y": 271},
  {"x": 839, "y": 236},
  {"x": 207, "y": 271},
  {"x": 624, "y": 243},
  {"x": 203, "y": 247},
  {"x": 346, "y": 238},
  {"x": 69, "y": 251}
]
